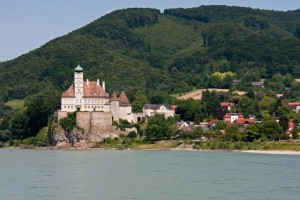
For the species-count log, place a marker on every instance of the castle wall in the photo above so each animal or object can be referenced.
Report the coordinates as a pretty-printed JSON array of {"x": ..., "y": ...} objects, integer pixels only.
[
  {"x": 115, "y": 110},
  {"x": 94, "y": 122},
  {"x": 101, "y": 121},
  {"x": 61, "y": 114},
  {"x": 83, "y": 120}
]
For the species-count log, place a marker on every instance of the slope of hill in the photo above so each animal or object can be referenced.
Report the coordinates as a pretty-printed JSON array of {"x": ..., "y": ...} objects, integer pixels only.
[{"x": 178, "y": 49}]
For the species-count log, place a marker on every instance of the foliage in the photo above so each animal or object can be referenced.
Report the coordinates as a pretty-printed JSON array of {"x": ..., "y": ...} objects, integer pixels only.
[
  {"x": 68, "y": 123},
  {"x": 159, "y": 128}
]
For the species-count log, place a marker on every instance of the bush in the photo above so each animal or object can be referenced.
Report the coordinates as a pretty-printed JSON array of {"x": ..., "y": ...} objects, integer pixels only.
[{"x": 132, "y": 134}]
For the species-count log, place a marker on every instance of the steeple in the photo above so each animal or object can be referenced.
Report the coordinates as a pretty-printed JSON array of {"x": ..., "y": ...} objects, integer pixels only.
[
  {"x": 114, "y": 97},
  {"x": 78, "y": 68},
  {"x": 123, "y": 99}
]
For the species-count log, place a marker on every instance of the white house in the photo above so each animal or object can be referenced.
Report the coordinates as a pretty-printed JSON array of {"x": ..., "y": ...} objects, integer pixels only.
[{"x": 164, "y": 109}]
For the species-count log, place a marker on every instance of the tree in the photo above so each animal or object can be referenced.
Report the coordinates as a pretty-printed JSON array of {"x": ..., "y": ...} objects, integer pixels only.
[
  {"x": 159, "y": 128},
  {"x": 284, "y": 122},
  {"x": 295, "y": 132},
  {"x": 68, "y": 124},
  {"x": 271, "y": 130},
  {"x": 251, "y": 133},
  {"x": 140, "y": 100}
]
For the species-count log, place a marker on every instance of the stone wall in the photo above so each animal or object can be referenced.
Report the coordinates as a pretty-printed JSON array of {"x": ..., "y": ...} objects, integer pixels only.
[
  {"x": 61, "y": 114},
  {"x": 83, "y": 120},
  {"x": 94, "y": 122},
  {"x": 100, "y": 122}
]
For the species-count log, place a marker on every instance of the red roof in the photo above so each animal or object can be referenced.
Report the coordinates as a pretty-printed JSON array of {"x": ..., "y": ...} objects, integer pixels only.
[
  {"x": 123, "y": 99},
  {"x": 294, "y": 105},
  {"x": 114, "y": 97},
  {"x": 226, "y": 104},
  {"x": 211, "y": 122},
  {"x": 228, "y": 115},
  {"x": 174, "y": 107},
  {"x": 69, "y": 92},
  {"x": 91, "y": 90},
  {"x": 244, "y": 121}
]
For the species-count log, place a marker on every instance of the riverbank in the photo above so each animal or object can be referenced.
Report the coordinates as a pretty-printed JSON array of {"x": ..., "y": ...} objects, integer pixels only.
[{"x": 283, "y": 147}]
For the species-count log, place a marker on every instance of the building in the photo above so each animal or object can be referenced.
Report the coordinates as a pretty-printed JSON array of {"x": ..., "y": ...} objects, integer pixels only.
[
  {"x": 231, "y": 117},
  {"x": 229, "y": 106},
  {"x": 212, "y": 123},
  {"x": 91, "y": 96},
  {"x": 164, "y": 109},
  {"x": 295, "y": 106},
  {"x": 257, "y": 84}
]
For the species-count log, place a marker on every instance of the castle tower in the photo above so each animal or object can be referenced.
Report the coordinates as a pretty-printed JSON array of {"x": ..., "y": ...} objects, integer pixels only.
[
  {"x": 114, "y": 106},
  {"x": 78, "y": 87}
]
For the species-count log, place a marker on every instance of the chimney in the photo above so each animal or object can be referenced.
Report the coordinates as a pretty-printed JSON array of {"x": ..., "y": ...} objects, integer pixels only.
[
  {"x": 87, "y": 81},
  {"x": 97, "y": 81},
  {"x": 103, "y": 85}
]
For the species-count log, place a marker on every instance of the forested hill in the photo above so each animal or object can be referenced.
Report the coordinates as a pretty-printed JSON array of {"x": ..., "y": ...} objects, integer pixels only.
[{"x": 135, "y": 49}]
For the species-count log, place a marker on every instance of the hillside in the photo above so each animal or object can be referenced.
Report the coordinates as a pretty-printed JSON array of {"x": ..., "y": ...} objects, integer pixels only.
[
  {"x": 178, "y": 48},
  {"x": 148, "y": 51}
]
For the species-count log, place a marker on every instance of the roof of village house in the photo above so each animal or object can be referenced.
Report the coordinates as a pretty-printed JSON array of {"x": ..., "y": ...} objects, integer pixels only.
[
  {"x": 123, "y": 100},
  {"x": 257, "y": 83},
  {"x": 226, "y": 104},
  {"x": 157, "y": 106},
  {"x": 294, "y": 105},
  {"x": 228, "y": 115},
  {"x": 243, "y": 121},
  {"x": 90, "y": 90},
  {"x": 211, "y": 122}
]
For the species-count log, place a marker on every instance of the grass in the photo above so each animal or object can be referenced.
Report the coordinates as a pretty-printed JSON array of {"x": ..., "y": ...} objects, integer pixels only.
[{"x": 15, "y": 104}]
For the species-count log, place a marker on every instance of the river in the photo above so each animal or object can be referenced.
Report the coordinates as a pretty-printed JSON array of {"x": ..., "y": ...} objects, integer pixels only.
[{"x": 146, "y": 175}]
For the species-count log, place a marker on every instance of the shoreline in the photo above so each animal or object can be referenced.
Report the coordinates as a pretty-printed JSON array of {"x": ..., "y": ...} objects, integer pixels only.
[{"x": 270, "y": 152}]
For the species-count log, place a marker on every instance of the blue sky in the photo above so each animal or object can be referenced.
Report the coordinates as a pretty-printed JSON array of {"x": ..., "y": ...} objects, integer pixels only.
[{"x": 28, "y": 24}]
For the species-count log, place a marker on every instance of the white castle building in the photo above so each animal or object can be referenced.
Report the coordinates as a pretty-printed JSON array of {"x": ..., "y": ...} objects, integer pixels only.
[{"x": 91, "y": 96}]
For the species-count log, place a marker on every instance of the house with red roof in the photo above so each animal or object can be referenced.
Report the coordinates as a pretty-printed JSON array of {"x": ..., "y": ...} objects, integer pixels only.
[
  {"x": 295, "y": 106},
  {"x": 211, "y": 123},
  {"x": 231, "y": 117},
  {"x": 229, "y": 106},
  {"x": 243, "y": 122}
]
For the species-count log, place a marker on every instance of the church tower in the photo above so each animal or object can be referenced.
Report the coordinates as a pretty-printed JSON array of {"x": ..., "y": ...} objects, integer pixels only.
[{"x": 78, "y": 87}]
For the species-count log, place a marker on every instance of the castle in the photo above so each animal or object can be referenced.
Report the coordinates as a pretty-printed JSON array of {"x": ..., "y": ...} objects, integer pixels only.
[{"x": 91, "y": 96}]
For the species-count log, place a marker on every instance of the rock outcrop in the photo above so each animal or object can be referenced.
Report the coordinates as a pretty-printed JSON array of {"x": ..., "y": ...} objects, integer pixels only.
[{"x": 78, "y": 138}]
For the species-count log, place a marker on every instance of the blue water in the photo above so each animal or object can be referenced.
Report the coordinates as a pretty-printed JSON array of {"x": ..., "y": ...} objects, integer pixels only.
[{"x": 149, "y": 175}]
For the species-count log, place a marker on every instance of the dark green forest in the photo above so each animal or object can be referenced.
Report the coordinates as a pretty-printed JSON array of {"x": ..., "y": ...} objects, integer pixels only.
[{"x": 152, "y": 55}]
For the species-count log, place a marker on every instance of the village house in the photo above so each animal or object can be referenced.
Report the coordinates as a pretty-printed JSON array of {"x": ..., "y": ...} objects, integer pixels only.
[
  {"x": 229, "y": 106},
  {"x": 243, "y": 122},
  {"x": 257, "y": 84},
  {"x": 164, "y": 109},
  {"x": 231, "y": 117},
  {"x": 290, "y": 129},
  {"x": 211, "y": 123},
  {"x": 295, "y": 106}
]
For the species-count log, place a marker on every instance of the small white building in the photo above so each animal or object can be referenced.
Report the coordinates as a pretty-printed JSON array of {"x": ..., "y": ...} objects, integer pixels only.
[{"x": 164, "y": 109}]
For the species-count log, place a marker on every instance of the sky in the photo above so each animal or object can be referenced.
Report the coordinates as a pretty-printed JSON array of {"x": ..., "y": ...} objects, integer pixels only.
[{"x": 28, "y": 24}]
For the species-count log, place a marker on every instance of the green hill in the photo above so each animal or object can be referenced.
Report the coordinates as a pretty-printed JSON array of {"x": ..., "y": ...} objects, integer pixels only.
[{"x": 143, "y": 49}]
